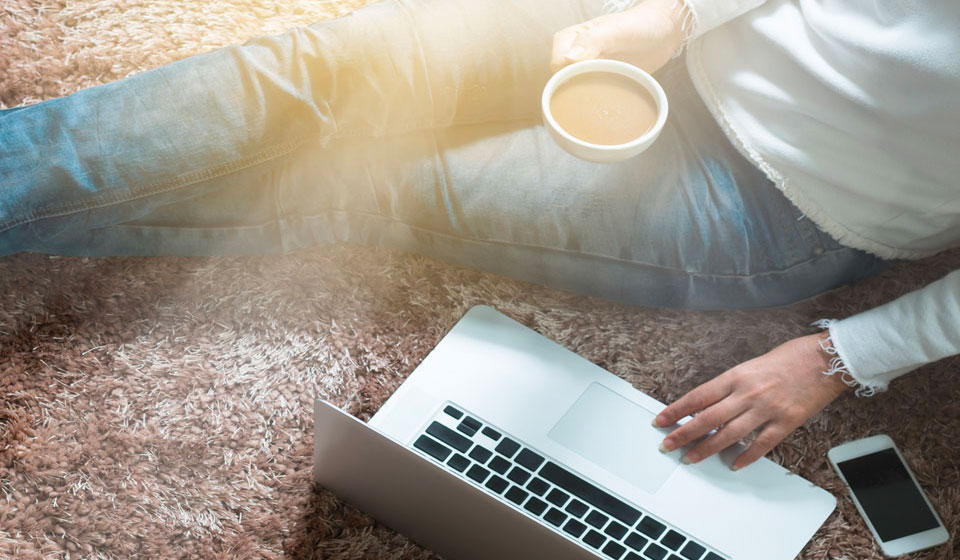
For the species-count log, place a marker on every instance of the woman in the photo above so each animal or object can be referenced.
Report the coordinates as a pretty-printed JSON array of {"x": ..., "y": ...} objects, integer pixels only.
[{"x": 807, "y": 143}]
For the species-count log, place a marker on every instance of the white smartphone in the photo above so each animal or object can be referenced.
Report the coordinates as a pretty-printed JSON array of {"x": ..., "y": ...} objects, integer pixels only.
[{"x": 887, "y": 495}]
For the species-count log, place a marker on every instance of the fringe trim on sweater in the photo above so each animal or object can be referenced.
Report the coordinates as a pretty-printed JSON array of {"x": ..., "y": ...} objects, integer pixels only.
[
  {"x": 809, "y": 209},
  {"x": 837, "y": 366}
]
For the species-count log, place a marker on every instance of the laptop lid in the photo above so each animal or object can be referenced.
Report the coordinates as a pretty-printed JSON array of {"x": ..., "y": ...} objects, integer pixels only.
[{"x": 433, "y": 507}]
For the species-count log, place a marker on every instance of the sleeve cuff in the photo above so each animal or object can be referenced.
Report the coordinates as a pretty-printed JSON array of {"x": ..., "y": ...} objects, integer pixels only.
[
  {"x": 840, "y": 364},
  {"x": 876, "y": 346},
  {"x": 710, "y": 14},
  {"x": 699, "y": 16}
]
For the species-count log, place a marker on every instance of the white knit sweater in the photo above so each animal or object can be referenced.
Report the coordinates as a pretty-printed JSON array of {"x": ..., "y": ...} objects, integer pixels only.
[{"x": 852, "y": 109}]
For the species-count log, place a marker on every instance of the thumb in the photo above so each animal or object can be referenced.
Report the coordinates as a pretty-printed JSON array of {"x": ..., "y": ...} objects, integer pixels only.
[
  {"x": 572, "y": 45},
  {"x": 584, "y": 47}
]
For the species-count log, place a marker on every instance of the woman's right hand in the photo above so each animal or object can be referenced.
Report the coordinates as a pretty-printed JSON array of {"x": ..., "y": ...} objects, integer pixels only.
[{"x": 646, "y": 35}]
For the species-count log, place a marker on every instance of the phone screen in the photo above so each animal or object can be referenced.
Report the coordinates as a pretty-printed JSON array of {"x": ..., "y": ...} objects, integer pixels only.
[{"x": 888, "y": 495}]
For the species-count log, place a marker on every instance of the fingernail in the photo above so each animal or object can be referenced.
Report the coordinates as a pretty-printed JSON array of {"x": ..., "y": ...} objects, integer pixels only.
[
  {"x": 666, "y": 446},
  {"x": 575, "y": 52},
  {"x": 688, "y": 460},
  {"x": 735, "y": 468},
  {"x": 654, "y": 423},
  {"x": 663, "y": 449}
]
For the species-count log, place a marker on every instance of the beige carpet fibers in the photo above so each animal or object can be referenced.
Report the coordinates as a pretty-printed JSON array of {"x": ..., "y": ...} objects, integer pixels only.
[{"x": 160, "y": 407}]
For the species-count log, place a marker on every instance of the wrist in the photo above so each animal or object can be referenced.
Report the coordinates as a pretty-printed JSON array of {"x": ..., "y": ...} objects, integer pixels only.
[
  {"x": 681, "y": 21},
  {"x": 676, "y": 17},
  {"x": 824, "y": 362}
]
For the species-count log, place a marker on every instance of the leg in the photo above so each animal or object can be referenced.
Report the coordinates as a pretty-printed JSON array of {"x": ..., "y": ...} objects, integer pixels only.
[
  {"x": 689, "y": 223},
  {"x": 113, "y": 153}
]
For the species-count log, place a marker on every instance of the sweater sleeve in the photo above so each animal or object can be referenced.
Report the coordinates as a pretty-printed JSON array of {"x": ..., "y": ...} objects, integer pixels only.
[
  {"x": 700, "y": 16},
  {"x": 879, "y": 345},
  {"x": 708, "y": 14}
]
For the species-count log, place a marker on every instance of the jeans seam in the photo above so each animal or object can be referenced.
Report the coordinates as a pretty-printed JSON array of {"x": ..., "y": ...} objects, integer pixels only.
[
  {"x": 110, "y": 198},
  {"x": 784, "y": 222}
]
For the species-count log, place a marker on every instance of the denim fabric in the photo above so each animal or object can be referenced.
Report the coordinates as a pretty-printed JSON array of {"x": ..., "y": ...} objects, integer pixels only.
[{"x": 411, "y": 124}]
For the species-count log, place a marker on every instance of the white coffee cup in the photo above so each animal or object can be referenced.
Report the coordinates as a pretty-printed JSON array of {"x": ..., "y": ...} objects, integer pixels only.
[{"x": 599, "y": 152}]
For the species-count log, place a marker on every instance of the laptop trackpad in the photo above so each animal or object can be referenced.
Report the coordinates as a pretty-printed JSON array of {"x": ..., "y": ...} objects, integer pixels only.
[{"x": 615, "y": 434}]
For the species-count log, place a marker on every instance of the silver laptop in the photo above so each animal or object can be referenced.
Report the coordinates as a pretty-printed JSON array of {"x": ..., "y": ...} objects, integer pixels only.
[{"x": 503, "y": 444}]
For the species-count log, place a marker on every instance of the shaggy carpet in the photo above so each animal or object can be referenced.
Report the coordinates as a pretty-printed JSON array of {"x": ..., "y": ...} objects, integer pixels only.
[{"x": 161, "y": 407}]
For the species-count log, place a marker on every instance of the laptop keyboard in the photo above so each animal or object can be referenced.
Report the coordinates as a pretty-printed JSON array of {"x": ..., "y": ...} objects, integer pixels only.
[{"x": 551, "y": 493}]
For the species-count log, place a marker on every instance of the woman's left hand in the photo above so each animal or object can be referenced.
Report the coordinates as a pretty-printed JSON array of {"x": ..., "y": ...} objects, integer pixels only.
[
  {"x": 646, "y": 35},
  {"x": 775, "y": 393}
]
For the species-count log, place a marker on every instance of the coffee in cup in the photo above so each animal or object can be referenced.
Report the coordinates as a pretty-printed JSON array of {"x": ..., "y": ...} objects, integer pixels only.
[{"x": 603, "y": 108}]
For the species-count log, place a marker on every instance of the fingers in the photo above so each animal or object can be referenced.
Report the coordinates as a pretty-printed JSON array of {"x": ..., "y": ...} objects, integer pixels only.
[
  {"x": 716, "y": 415},
  {"x": 696, "y": 400},
  {"x": 769, "y": 437},
  {"x": 573, "y": 44},
  {"x": 731, "y": 432},
  {"x": 562, "y": 42}
]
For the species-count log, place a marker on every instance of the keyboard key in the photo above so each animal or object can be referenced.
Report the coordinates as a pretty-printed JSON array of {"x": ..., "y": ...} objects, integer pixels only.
[
  {"x": 712, "y": 556},
  {"x": 499, "y": 465},
  {"x": 672, "y": 540},
  {"x": 450, "y": 411},
  {"x": 497, "y": 484},
  {"x": 518, "y": 475},
  {"x": 576, "y": 508},
  {"x": 674, "y": 557},
  {"x": 466, "y": 428},
  {"x": 558, "y": 497},
  {"x": 480, "y": 454},
  {"x": 574, "y": 527},
  {"x": 529, "y": 459},
  {"x": 538, "y": 486},
  {"x": 651, "y": 527},
  {"x": 516, "y": 495},
  {"x": 448, "y": 436},
  {"x": 636, "y": 541},
  {"x": 589, "y": 493},
  {"x": 596, "y": 519},
  {"x": 655, "y": 552},
  {"x": 594, "y": 539},
  {"x": 507, "y": 447},
  {"x": 615, "y": 530},
  {"x": 693, "y": 551},
  {"x": 614, "y": 550},
  {"x": 535, "y": 505},
  {"x": 632, "y": 556},
  {"x": 458, "y": 462},
  {"x": 555, "y": 516},
  {"x": 491, "y": 433},
  {"x": 472, "y": 422},
  {"x": 478, "y": 473},
  {"x": 432, "y": 447}
]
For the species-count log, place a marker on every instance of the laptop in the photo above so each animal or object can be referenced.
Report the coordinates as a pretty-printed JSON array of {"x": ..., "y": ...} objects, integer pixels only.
[{"x": 503, "y": 444}]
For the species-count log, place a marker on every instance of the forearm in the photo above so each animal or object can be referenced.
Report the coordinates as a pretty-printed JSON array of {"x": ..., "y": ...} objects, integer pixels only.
[{"x": 879, "y": 345}]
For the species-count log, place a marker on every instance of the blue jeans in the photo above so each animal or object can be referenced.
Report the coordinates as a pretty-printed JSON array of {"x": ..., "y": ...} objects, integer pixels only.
[{"x": 411, "y": 124}]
